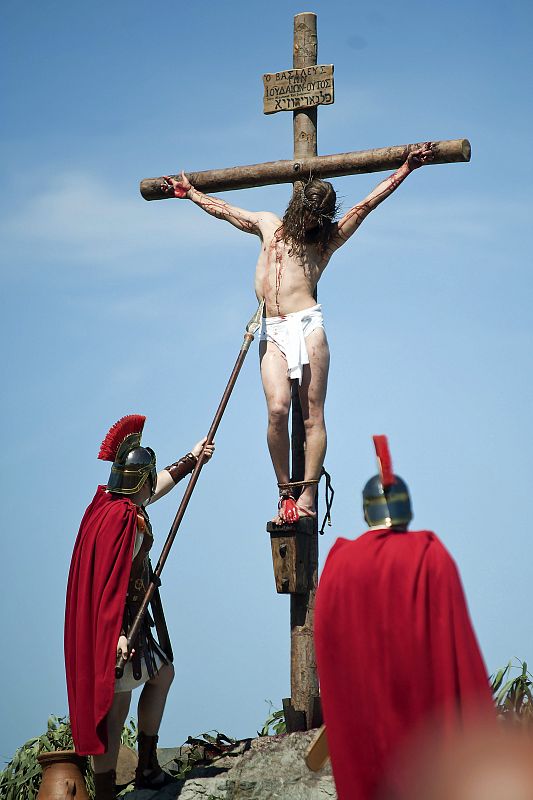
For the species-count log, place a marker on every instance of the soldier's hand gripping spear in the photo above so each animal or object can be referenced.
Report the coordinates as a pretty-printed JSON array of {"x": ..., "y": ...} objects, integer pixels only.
[{"x": 251, "y": 329}]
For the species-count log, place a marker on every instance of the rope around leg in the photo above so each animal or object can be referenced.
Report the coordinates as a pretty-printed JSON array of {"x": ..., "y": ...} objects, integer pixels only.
[{"x": 286, "y": 496}]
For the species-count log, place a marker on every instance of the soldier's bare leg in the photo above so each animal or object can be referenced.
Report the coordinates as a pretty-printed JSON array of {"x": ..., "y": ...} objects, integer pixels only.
[
  {"x": 312, "y": 399},
  {"x": 152, "y": 700},
  {"x": 278, "y": 397},
  {"x": 149, "y": 774},
  {"x": 115, "y": 723}
]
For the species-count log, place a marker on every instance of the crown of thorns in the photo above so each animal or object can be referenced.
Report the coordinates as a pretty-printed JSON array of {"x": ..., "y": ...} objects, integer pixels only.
[{"x": 311, "y": 206}]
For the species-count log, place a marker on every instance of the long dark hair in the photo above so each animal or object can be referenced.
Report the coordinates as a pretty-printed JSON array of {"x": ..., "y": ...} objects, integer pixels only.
[{"x": 316, "y": 200}]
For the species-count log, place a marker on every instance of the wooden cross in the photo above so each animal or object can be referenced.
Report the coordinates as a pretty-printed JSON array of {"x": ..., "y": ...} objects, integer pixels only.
[{"x": 301, "y": 90}]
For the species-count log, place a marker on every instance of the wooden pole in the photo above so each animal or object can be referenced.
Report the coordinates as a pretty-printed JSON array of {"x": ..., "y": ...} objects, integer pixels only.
[
  {"x": 304, "y": 680},
  {"x": 251, "y": 329},
  {"x": 302, "y": 166},
  {"x": 304, "y": 55}
]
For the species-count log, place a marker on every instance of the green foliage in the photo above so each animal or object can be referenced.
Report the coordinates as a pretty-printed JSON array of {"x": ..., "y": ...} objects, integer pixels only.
[
  {"x": 21, "y": 778},
  {"x": 202, "y": 750},
  {"x": 274, "y": 723},
  {"x": 129, "y": 734},
  {"x": 513, "y": 696}
]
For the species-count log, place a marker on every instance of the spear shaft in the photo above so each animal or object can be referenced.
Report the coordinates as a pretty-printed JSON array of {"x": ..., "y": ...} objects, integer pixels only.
[{"x": 251, "y": 330}]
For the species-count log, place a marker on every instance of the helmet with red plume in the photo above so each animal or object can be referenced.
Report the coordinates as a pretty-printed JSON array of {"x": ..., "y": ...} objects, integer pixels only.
[
  {"x": 132, "y": 464},
  {"x": 386, "y": 501}
]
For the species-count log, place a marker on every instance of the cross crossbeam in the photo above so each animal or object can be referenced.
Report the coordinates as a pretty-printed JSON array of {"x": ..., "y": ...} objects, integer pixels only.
[{"x": 333, "y": 166}]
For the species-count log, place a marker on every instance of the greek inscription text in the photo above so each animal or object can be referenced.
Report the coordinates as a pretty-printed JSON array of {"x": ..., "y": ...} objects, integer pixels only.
[{"x": 298, "y": 88}]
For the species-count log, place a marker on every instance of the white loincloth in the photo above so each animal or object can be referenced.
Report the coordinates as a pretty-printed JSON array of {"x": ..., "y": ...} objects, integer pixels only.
[{"x": 289, "y": 333}]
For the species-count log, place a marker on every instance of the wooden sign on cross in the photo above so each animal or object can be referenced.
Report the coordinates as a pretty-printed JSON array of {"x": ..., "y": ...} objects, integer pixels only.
[{"x": 300, "y": 90}]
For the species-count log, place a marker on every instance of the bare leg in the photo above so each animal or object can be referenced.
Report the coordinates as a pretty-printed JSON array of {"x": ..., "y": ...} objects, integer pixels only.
[
  {"x": 149, "y": 774},
  {"x": 278, "y": 397},
  {"x": 115, "y": 723},
  {"x": 312, "y": 398},
  {"x": 152, "y": 700}
]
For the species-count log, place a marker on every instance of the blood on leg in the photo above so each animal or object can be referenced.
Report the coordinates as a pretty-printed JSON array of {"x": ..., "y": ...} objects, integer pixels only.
[
  {"x": 312, "y": 398},
  {"x": 277, "y": 390}
]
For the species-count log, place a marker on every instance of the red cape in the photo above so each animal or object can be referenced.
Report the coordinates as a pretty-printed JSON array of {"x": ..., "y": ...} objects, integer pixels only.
[
  {"x": 96, "y": 594},
  {"x": 395, "y": 649}
]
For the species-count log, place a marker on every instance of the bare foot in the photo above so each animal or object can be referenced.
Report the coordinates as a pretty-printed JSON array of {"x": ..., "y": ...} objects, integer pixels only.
[
  {"x": 305, "y": 511},
  {"x": 287, "y": 511}
]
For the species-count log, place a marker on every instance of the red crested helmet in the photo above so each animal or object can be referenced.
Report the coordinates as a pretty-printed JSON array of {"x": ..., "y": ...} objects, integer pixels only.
[
  {"x": 132, "y": 464},
  {"x": 386, "y": 500}
]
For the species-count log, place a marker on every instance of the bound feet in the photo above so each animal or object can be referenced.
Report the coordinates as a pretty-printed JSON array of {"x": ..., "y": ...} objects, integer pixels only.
[
  {"x": 287, "y": 509},
  {"x": 290, "y": 510},
  {"x": 305, "y": 511}
]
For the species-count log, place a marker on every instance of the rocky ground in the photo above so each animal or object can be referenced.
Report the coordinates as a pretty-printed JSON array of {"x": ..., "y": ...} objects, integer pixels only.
[{"x": 267, "y": 768}]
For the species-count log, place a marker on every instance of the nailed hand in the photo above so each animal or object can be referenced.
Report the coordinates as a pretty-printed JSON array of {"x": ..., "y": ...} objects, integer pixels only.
[
  {"x": 178, "y": 188},
  {"x": 424, "y": 154}
]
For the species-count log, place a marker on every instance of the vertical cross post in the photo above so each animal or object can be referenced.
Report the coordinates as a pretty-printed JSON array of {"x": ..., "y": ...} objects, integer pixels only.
[{"x": 304, "y": 681}]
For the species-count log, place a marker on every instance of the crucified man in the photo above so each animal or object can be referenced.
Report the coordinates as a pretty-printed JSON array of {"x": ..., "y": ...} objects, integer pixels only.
[{"x": 294, "y": 253}]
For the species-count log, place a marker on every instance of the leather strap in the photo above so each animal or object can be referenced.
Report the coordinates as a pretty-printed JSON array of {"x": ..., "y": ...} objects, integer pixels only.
[{"x": 179, "y": 469}]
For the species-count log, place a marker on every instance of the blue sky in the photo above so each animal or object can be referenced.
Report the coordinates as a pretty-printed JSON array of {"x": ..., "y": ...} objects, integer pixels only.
[{"x": 112, "y": 305}]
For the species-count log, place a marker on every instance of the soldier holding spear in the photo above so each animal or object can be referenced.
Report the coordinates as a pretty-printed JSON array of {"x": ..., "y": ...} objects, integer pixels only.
[
  {"x": 111, "y": 586},
  {"x": 109, "y": 574}
]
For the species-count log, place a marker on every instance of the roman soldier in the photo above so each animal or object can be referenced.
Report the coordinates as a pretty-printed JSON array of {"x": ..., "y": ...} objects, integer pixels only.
[
  {"x": 396, "y": 651},
  {"x": 109, "y": 574}
]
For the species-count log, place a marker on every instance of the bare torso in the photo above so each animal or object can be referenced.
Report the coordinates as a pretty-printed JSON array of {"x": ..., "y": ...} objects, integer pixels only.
[{"x": 286, "y": 281}]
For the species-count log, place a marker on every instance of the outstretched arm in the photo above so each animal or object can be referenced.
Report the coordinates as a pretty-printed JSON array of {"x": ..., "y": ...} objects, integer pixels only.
[
  {"x": 247, "y": 221},
  {"x": 354, "y": 217},
  {"x": 166, "y": 480}
]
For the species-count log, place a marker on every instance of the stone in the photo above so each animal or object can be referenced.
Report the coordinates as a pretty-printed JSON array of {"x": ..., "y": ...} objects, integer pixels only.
[
  {"x": 126, "y": 765},
  {"x": 267, "y": 768}
]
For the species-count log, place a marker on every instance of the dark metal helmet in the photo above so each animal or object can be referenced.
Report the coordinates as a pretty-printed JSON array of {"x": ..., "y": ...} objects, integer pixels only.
[
  {"x": 386, "y": 500},
  {"x": 132, "y": 464}
]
